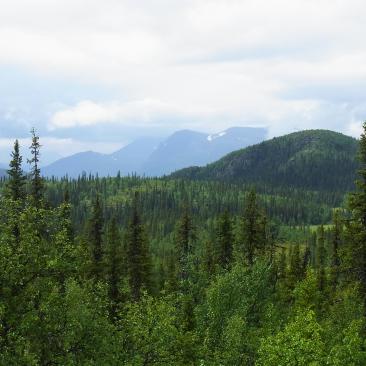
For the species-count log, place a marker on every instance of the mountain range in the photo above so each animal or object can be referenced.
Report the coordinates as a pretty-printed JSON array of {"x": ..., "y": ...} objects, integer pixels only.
[
  {"x": 313, "y": 159},
  {"x": 157, "y": 157}
]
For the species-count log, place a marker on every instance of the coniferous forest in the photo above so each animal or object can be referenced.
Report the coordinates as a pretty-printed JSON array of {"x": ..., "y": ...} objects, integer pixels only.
[{"x": 181, "y": 271}]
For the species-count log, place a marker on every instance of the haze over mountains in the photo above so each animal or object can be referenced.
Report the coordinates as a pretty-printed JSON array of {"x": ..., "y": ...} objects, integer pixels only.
[{"x": 156, "y": 157}]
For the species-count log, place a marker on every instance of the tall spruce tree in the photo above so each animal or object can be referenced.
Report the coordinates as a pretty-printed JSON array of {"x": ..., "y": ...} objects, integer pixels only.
[
  {"x": 184, "y": 238},
  {"x": 114, "y": 265},
  {"x": 321, "y": 258},
  {"x": 35, "y": 173},
  {"x": 225, "y": 240},
  {"x": 354, "y": 256},
  {"x": 252, "y": 231},
  {"x": 96, "y": 229},
  {"x": 15, "y": 186},
  {"x": 336, "y": 241},
  {"x": 138, "y": 256}
]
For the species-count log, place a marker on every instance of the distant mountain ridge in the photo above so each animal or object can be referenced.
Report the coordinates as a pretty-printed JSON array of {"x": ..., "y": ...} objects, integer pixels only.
[
  {"x": 312, "y": 159},
  {"x": 157, "y": 157},
  {"x": 3, "y": 173}
]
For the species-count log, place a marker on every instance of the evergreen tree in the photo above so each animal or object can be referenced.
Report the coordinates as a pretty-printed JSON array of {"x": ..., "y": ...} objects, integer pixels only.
[
  {"x": 336, "y": 241},
  {"x": 96, "y": 226},
  {"x": 16, "y": 182},
  {"x": 35, "y": 173},
  {"x": 225, "y": 240},
  {"x": 296, "y": 270},
  {"x": 114, "y": 265},
  {"x": 321, "y": 258},
  {"x": 252, "y": 231},
  {"x": 138, "y": 256},
  {"x": 184, "y": 238},
  {"x": 208, "y": 258},
  {"x": 355, "y": 254}
]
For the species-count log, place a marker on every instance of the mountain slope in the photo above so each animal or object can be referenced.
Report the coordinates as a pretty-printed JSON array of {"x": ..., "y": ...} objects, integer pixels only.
[
  {"x": 188, "y": 148},
  {"x": 126, "y": 160},
  {"x": 313, "y": 159}
]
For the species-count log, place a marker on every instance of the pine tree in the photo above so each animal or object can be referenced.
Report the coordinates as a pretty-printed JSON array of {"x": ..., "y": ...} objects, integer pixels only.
[
  {"x": 252, "y": 231},
  {"x": 35, "y": 174},
  {"x": 16, "y": 182},
  {"x": 96, "y": 225},
  {"x": 138, "y": 256},
  {"x": 225, "y": 240}
]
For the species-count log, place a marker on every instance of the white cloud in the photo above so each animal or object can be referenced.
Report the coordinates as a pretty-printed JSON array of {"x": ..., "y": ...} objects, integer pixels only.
[
  {"x": 203, "y": 64},
  {"x": 88, "y": 113}
]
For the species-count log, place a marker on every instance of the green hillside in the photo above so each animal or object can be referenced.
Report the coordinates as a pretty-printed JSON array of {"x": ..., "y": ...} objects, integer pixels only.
[{"x": 313, "y": 159}]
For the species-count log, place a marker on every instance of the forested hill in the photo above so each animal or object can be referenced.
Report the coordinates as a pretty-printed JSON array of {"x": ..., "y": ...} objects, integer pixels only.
[
  {"x": 312, "y": 159},
  {"x": 2, "y": 173}
]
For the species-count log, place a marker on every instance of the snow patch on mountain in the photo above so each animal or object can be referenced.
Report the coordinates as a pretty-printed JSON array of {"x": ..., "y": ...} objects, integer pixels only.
[{"x": 213, "y": 137}]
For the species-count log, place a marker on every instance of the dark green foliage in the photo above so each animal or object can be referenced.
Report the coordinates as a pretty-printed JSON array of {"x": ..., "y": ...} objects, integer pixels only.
[
  {"x": 115, "y": 266},
  {"x": 251, "y": 240},
  {"x": 95, "y": 237},
  {"x": 184, "y": 240},
  {"x": 35, "y": 173},
  {"x": 225, "y": 240},
  {"x": 15, "y": 185},
  {"x": 138, "y": 256},
  {"x": 314, "y": 160},
  {"x": 355, "y": 263}
]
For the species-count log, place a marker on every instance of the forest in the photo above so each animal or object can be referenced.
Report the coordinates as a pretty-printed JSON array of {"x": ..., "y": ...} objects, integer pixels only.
[{"x": 184, "y": 271}]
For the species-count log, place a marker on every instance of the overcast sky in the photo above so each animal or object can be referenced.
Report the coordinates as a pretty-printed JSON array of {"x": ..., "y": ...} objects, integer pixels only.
[{"x": 95, "y": 74}]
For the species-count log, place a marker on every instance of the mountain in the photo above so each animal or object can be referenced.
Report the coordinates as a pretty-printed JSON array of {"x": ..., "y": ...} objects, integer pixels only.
[
  {"x": 126, "y": 160},
  {"x": 313, "y": 159},
  {"x": 188, "y": 148},
  {"x": 156, "y": 157}
]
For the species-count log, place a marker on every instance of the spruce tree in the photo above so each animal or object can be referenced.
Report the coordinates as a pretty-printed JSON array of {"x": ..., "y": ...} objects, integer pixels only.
[
  {"x": 15, "y": 185},
  {"x": 321, "y": 258},
  {"x": 114, "y": 265},
  {"x": 354, "y": 256},
  {"x": 96, "y": 226},
  {"x": 138, "y": 256},
  {"x": 296, "y": 269},
  {"x": 225, "y": 240},
  {"x": 336, "y": 241},
  {"x": 184, "y": 238},
  {"x": 252, "y": 231},
  {"x": 35, "y": 173}
]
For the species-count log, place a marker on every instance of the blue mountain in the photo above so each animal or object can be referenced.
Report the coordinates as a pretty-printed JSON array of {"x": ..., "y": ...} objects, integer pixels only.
[{"x": 157, "y": 157}]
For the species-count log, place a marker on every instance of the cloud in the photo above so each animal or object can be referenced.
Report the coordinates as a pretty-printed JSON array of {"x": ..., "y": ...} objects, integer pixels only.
[
  {"x": 206, "y": 64},
  {"x": 89, "y": 113}
]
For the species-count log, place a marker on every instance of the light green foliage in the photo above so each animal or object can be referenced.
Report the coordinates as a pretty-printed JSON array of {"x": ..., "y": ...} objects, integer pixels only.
[
  {"x": 299, "y": 344},
  {"x": 152, "y": 332},
  {"x": 237, "y": 296},
  {"x": 352, "y": 350}
]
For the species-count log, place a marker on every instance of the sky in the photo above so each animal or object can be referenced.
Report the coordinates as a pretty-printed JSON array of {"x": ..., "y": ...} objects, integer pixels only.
[{"x": 97, "y": 74}]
